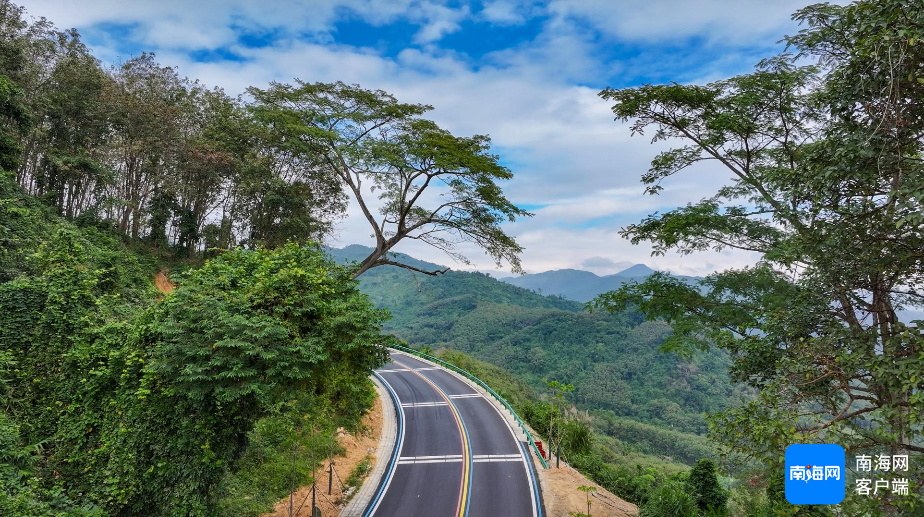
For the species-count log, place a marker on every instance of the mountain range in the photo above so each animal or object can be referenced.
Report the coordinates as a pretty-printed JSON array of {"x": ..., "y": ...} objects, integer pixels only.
[{"x": 580, "y": 285}]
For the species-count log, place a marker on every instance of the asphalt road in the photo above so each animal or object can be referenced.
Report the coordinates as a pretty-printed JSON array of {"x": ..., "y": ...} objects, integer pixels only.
[{"x": 456, "y": 455}]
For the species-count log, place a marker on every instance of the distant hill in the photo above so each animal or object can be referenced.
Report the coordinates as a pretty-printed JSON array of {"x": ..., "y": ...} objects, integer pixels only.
[
  {"x": 638, "y": 270},
  {"x": 612, "y": 359},
  {"x": 581, "y": 286}
]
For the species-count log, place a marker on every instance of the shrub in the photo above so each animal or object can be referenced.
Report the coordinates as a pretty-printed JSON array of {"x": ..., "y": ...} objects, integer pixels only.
[
  {"x": 703, "y": 484},
  {"x": 671, "y": 499}
]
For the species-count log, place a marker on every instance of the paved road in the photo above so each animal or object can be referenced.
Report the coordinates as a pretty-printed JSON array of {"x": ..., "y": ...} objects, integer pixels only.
[{"x": 456, "y": 455}]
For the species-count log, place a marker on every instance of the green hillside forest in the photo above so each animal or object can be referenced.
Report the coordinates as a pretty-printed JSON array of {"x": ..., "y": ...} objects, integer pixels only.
[{"x": 613, "y": 360}]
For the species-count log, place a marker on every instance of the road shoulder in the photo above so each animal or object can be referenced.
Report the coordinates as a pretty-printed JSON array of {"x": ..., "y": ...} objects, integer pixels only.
[{"x": 382, "y": 454}]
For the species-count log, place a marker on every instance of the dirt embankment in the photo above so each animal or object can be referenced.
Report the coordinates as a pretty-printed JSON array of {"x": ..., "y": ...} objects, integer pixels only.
[
  {"x": 163, "y": 283},
  {"x": 561, "y": 495},
  {"x": 357, "y": 448}
]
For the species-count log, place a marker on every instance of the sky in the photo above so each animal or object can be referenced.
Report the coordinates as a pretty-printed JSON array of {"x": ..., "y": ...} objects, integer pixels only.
[{"x": 526, "y": 73}]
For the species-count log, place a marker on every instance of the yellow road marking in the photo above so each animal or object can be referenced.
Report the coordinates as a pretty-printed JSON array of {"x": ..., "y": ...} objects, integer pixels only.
[{"x": 466, "y": 450}]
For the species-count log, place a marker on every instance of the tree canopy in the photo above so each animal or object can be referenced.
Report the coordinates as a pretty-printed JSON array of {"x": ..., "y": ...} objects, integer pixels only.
[
  {"x": 431, "y": 186},
  {"x": 165, "y": 159},
  {"x": 828, "y": 188}
]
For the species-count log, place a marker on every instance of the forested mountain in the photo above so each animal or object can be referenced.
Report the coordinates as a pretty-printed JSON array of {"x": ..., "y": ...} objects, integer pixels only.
[
  {"x": 582, "y": 286},
  {"x": 612, "y": 359}
]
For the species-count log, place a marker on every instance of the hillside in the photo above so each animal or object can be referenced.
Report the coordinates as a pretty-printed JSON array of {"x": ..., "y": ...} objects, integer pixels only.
[
  {"x": 579, "y": 285},
  {"x": 119, "y": 400},
  {"x": 612, "y": 359}
]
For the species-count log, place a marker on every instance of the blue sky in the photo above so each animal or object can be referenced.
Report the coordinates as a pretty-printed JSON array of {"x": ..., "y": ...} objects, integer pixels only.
[{"x": 525, "y": 72}]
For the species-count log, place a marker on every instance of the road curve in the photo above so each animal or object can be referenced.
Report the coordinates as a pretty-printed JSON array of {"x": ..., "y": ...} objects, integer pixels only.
[{"x": 456, "y": 455}]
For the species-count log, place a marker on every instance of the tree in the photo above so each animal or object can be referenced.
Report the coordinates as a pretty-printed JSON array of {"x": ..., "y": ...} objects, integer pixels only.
[
  {"x": 827, "y": 188},
  {"x": 704, "y": 485},
  {"x": 13, "y": 114},
  {"x": 432, "y": 186},
  {"x": 147, "y": 101},
  {"x": 557, "y": 406},
  {"x": 587, "y": 490}
]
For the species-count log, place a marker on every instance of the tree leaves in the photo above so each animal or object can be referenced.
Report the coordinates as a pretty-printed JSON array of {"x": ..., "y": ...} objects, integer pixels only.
[
  {"x": 367, "y": 139},
  {"x": 826, "y": 188}
]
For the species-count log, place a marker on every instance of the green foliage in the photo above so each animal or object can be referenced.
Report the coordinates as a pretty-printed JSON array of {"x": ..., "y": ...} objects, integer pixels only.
[
  {"x": 21, "y": 492},
  {"x": 360, "y": 471},
  {"x": 669, "y": 500},
  {"x": 23, "y": 223},
  {"x": 286, "y": 333},
  {"x": 678, "y": 446},
  {"x": 278, "y": 320},
  {"x": 282, "y": 452},
  {"x": 827, "y": 187},
  {"x": 152, "y": 408},
  {"x": 355, "y": 135},
  {"x": 703, "y": 485},
  {"x": 14, "y": 116}
]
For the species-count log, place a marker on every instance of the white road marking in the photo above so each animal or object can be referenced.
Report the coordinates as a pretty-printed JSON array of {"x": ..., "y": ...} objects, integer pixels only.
[
  {"x": 430, "y": 459},
  {"x": 457, "y": 458},
  {"x": 400, "y": 446},
  {"x": 424, "y": 404}
]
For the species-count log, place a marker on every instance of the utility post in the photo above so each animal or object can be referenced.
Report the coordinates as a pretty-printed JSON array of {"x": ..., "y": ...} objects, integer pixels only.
[{"x": 330, "y": 475}]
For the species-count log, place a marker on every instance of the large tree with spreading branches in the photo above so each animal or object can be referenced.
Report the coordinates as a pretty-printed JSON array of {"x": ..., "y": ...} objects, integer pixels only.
[
  {"x": 827, "y": 186},
  {"x": 431, "y": 185}
]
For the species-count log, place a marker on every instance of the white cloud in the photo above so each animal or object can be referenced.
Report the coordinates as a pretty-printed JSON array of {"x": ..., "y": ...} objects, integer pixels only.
[
  {"x": 440, "y": 21},
  {"x": 503, "y": 12},
  {"x": 736, "y": 21}
]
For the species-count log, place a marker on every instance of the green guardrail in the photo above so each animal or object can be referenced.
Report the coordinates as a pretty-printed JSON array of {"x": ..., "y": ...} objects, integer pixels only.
[{"x": 487, "y": 388}]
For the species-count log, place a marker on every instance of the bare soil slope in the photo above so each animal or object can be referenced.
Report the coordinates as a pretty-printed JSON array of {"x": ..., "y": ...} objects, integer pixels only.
[{"x": 357, "y": 447}]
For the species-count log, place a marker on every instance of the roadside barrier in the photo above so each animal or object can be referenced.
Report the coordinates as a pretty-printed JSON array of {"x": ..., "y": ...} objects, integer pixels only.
[{"x": 487, "y": 388}]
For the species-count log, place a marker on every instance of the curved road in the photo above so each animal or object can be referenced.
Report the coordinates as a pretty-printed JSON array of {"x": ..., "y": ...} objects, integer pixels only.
[{"x": 456, "y": 455}]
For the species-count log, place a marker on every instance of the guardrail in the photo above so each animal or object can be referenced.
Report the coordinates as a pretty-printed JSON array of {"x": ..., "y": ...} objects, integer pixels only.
[{"x": 487, "y": 388}]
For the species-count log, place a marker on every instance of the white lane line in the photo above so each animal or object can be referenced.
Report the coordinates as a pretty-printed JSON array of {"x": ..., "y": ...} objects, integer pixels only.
[
  {"x": 390, "y": 370},
  {"x": 424, "y": 404},
  {"x": 430, "y": 459},
  {"x": 427, "y": 368},
  {"x": 466, "y": 396},
  {"x": 457, "y": 458},
  {"x": 381, "y": 494},
  {"x": 523, "y": 458}
]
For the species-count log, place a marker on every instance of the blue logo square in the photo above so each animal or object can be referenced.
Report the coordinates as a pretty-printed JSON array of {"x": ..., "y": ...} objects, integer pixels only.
[{"x": 815, "y": 473}]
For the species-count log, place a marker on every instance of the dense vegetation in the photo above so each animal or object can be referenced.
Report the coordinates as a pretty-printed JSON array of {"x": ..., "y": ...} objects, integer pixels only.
[
  {"x": 118, "y": 404},
  {"x": 824, "y": 149}
]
